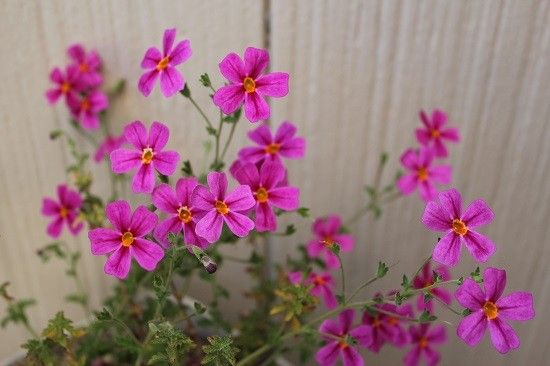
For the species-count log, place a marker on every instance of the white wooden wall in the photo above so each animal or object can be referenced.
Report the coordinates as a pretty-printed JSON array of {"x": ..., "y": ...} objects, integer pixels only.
[{"x": 360, "y": 71}]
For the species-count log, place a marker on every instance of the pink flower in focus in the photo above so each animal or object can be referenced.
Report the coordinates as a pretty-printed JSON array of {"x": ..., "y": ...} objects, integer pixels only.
[
  {"x": 322, "y": 286},
  {"x": 422, "y": 174},
  {"x": 147, "y": 155},
  {"x": 272, "y": 148},
  {"x": 109, "y": 144},
  {"x": 341, "y": 338},
  {"x": 424, "y": 279},
  {"x": 268, "y": 193},
  {"x": 239, "y": 163},
  {"x": 219, "y": 207},
  {"x": 446, "y": 216},
  {"x": 248, "y": 84},
  {"x": 490, "y": 309},
  {"x": 327, "y": 233},
  {"x": 423, "y": 337},
  {"x": 68, "y": 84},
  {"x": 126, "y": 239},
  {"x": 181, "y": 213},
  {"x": 388, "y": 328},
  {"x": 87, "y": 64},
  {"x": 86, "y": 108},
  {"x": 65, "y": 210},
  {"x": 434, "y": 133},
  {"x": 163, "y": 64}
]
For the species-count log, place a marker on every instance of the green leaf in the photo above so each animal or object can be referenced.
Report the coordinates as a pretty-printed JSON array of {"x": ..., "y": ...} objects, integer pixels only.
[
  {"x": 303, "y": 211},
  {"x": 199, "y": 308},
  {"x": 171, "y": 345},
  {"x": 205, "y": 80},
  {"x": 426, "y": 317},
  {"x": 476, "y": 275},
  {"x": 211, "y": 131},
  {"x": 187, "y": 170},
  {"x": 220, "y": 351},
  {"x": 185, "y": 91},
  {"x": 58, "y": 329},
  {"x": 290, "y": 229},
  {"x": 55, "y": 134},
  {"x": 405, "y": 283},
  {"x": 382, "y": 270}
]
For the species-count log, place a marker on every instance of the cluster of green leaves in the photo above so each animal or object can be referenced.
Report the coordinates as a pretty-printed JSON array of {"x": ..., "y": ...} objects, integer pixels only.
[{"x": 170, "y": 345}]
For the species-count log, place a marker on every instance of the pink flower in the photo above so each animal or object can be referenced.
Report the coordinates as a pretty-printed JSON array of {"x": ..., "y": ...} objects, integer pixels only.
[
  {"x": 218, "y": 208},
  {"x": 239, "y": 163},
  {"x": 109, "y": 144},
  {"x": 424, "y": 279},
  {"x": 387, "y": 328},
  {"x": 163, "y": 64},
  {"x": 490, "y": 309},
  {"x": 87, "y": 64},
  {"x": 268, "y": 193},
  {"x": 446, "y": 216},
  {"x": 68, "y": 84},
  {"x": 181, "y": 213},
  {"x": 126, "y": 239},
  {"x": 434, "y": 134},
  {"x": 147, "y": 155},
  {"x": 86, "y": 108},
  {"x": 341, "y": 338},
  {"x": 248, "y": 84},
  {"x": 423, "y": 337},
  {"x": 65, "y": 210},
  {"x": 270, "y": 148},
  {"x": 327, "y": 233},
  {"x": 322, "y": 286},
  {"x": 422, "y": 174}
]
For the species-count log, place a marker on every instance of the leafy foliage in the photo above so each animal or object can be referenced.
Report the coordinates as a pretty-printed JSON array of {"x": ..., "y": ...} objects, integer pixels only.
[{"x": 220, "y": 351}]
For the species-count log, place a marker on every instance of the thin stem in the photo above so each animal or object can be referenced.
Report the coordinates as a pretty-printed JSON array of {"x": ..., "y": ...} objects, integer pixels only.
[
  {"x": 342, "y": 274},
  {"x": 368, "y": 283},
  {"x": 447, "y": 306},
  {"x": 30, "y": 329},
  {"x": 228, "y": 141},
  {"x": 199, "y": 109},
  {"x": 425, "y": 262},
  {"x": 218, "y": 135}
]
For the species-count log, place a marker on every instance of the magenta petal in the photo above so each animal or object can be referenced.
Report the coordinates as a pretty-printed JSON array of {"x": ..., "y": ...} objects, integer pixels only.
[
  {"x": 346, "y": 319},
  {"x": 239, "y": 224},
  {"x": 295, "y": 277},
  {"x": 89, "y": 121},
  {"x": 407, "y": 183},
  {"x": 190, "y": 237},
  {"x": 166, "y": 162},
  {"x": 314, "y": 248},
  {"x": 164, "y": 199},
  {"x": 351, "y": 357},
  {"x": 218, "y": 184},
  {"x": 437, "y": 334},
  {"x": 412, "y": 358},
  {"x": 451, "y": 201},
  {"x": 427, "y": 190},
  {"x": 271, "y": 174},
  {"x": 144, "y": 180},
  {"x": 516, "y": 306},
  {"x": 494, "y": 282},
  {"x": 265, "y": 218},
  {"x": 441, "y": 174},
  {"x": 422, "y": 136},
  {"x": 202, "y": 199},
  {"x": 57, "y": 76},
  {"x": 329, "y": 298},
  {"x": 285, "y": 198},
  {"x": 50, "y": 207},
  {"x": 104, "y": 241},
  {"x": 240, "y": 199},
  {"x": 274, "y": 84},
  {"x": 252, "y": 154},
  {"x": 432, "y": 357},
  {"x": 54, "y": 228},
  {"x": 255, "y": 61},
  {"x": 331, "y": 327},
  {"x": 345, "y": 241},
  {"x": 147, "y": 82},
  {"x": 171, "y": 81},
  {"x": 143, "y": 222},
  {"x": 285, "y": 132},
  {"x": 261, "y": 135},
  {"x": 146, "y": 253},
  {"x": 210, "y": 226},
  {"x": 255, "y": 107},
  {"x": 469, "y": 295},
  {"x": 472, "y": 328},
  {"x": 171, "y": 225},
  {"x": 151, "y": 58},
  {"x": 181, "y": 53},
  {"x": 409, "y": 159},
  {"x": 53, "y": 95},
  {"x": 435, "y": 218},
  {"x": 168, "y": 40},
  {"x": 136, "y": 134},
  {"x": 229, "y": 98},
  {"x": 184, "y": 189},
  {"x": 119, "y": 214},
  {"x": 479, "y": 246},
  {"x": 118, "y": 264},
  {"x": 294, "y": 148},
  {"x": 447, "y": 250},
  {"x": 328, "y": 354},
  {"x": 503, "y": 336},
  {"x": 451, "y": 134},
  {"x": 248, "y": 174},
  {"x": 363, "y": 335},
  {"x": 158, "y": 136},
  {"x": 439, "y": 118},
  {"x": 478, "y": 213},
  {"x": 232, "y": 68},
  {"x": 123, "y": 160}
]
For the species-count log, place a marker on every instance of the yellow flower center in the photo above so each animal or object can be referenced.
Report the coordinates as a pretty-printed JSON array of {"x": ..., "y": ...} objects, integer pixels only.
[
  {"x": 376, "y": 322},
  {"x": 85, "y": 104},
  {"x": 435, "y": 133},
  {"x": 459, "y": 227},
  {"x": 343, "y": 344},
  {"x": 222, "y": 208},
  {"x": 392, "y": 321},
  {"x": 423, "y": 342},
  {"x": 83, "y": 67},
  {"x": 249, "y": 85},
  {"x": 163, "y": 64},
  {"x": 319, "y": 281},
  {"x": 262, "y": 195},
  {"x": 422, "y": 174},
  {"x": 127, "y": 239},
  {"x": 490, "y": 310},
  {"x": 63, "y": 212},
  {"x": 328, "y": 241},
  {"x": 272, "y": 148},
  {"x": 147, "y": 156},
  {"x": 184, "y": 213},
  {"x": 65, "y": 87}
]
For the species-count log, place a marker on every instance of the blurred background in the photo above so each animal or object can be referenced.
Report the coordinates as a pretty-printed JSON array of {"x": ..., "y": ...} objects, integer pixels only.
[{"x": 360, "y": 72}]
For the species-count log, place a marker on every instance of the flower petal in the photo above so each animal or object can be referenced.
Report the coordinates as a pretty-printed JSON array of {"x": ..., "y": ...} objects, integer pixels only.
[
  {"x": 255, "y": 61},
  {"x": 104, "y": 241},
  {"x": 255, "y": 107},
  {"x": 136, "y": 134},
  {"x": 407, "y": 183},
  {"x": 330, "y": 326},
  {"x": 158, "y": 136},
  {"x": 363, "y": 335},
  {"x": 239, "y": 224},
  {"x": 441, "y": 174},
  {"x": 271, "y": 174},
  {"x": 202, "y": 199},
  {"x": 229, "y": 98},
  {"x": 427, "y": 190},
  {"x": 168, "y": 40},
  {"x": 329, "y": 298},
  {"x": 146, "y": 253},
  {"x": 478, "y": 213},
  {"x": 494, "y": 282},
  {"x": 422, "y": 136},
  {"x": 451, "y": 201},
  {"x": 516, "y": 306},
  {"x": 409, "y": 159},
  {"x": 469, "y": 295},
  {"x": 190, "y": 236},
  {"x": 439, "y": 118},
  {"x": 274, "y": 84},
  {"x": 435, "y": 218},
  {"x": 119, "y": 214},
  {"x": 240, "y": 199},
  {"x": 346, "y": 320},
  {"x": 265, "y": 218},
  {"x": 54, "y": 228},
  {"x": 232, "y": 68},
  {"x": 218, "y": 184},
  {"x": 151, "y": 58},
  {"x": 412, "y": 358},
  {"x": 118, "y": 264},
  {"x": 252, "y": 154},
  {"x": 328, "y": 354},
  {"x": 437, "y": 334},
  {"x": 144, "y": 180},
  {"x": 439, "y": 149},
  {"x": 123, "y": 160},
  {"x": 285, "y": 198},
  {"x": 143, "y": 222},
  {"x": 261, "y": 135},
  {"x": 503, "y": 336},
  {"x": 210, "y": 226},
  {"x": 447, "y": 250},
  {"x": 166, "y": 162},
  {"x": 50, "y": 207},
  {"x": 248, "y": 174},
  {"x": 171, "y": 81},
  {"x": 181, "y": 53},
  {"x": 479, "y": 246},
  {"x": 472, "y": 328},
  {"x": 184, "y": 190},
  {"x": 345, "y": 241},
  {"x": 147, "y": 81},
  {"x": 294, "y": 148},
  {"x": 351, "y": 357},
  {"x": 451, "y": 134},
  {"x": 314, "y": 248},
  {"x": 170, "y": 225},
  {"x": 285, "y": 132},
  {"x": 164, "y": 198}
]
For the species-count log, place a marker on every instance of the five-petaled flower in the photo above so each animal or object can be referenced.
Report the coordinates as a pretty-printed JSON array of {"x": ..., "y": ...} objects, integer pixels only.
[
  {"x": 65, "y": 210},
  {"x": 341, "y": 338},
  {"x": 423, "y": 338},
  {"x": 425, "y": 279},
  {"x": 107, "y": 146},
  {"x": 422, "y": 173},
  {"x": 490, "y": 309},
  {"x": 147, "y": 155},
  {"x": 182, "y": 216},
  {"x": 248, "y": 84},
  {"x": 265, "y": 186},
  {"x": 126, "y": 239},
  {"x": 387, "y": 325},
  {"x": 68, "y": 84},
  {"x": 434, "y": 133},
  {"x": 272, "y": 148},
  {"x": 87, "y": 64},
  {"x": 327, "y": 233},
  {"x": 322, "y": 286},
  {"x": 163, "y": 64},
  {"x": 219, "y": 207},
  {"x": 86, "y": 108},
  {"x": 446, "y": 216}
]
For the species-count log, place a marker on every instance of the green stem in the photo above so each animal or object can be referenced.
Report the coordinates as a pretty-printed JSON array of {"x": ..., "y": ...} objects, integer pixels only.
[
  {"x": 342, "y": 274},
  {"x": 422, "y": 266},
  {"x": 199, "y": 109},
  {"x": 231, "y": 132},
  {"x": 368, "y": 283},
  {"x": 30, "y": 329},
  {"x": 218, "y": 135}
]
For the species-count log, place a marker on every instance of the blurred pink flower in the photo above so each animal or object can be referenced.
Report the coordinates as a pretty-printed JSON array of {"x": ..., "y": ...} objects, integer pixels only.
[
  {"x": 67, "y": 84},
  {"x": 423, "y": 337},
  {"x": 386, "y": 327},
  {"x": 327, "y": 233},
  {"x": 322, "y": 286},
  {"x": 424, "y": 279},
  {"x": 434, "y": 134},
  {"x": 86, "y": 109},
  {"x": 109, "y": 144},
  {"x": 65, "y": 210},
  {"x": 87, "y": 64}
]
